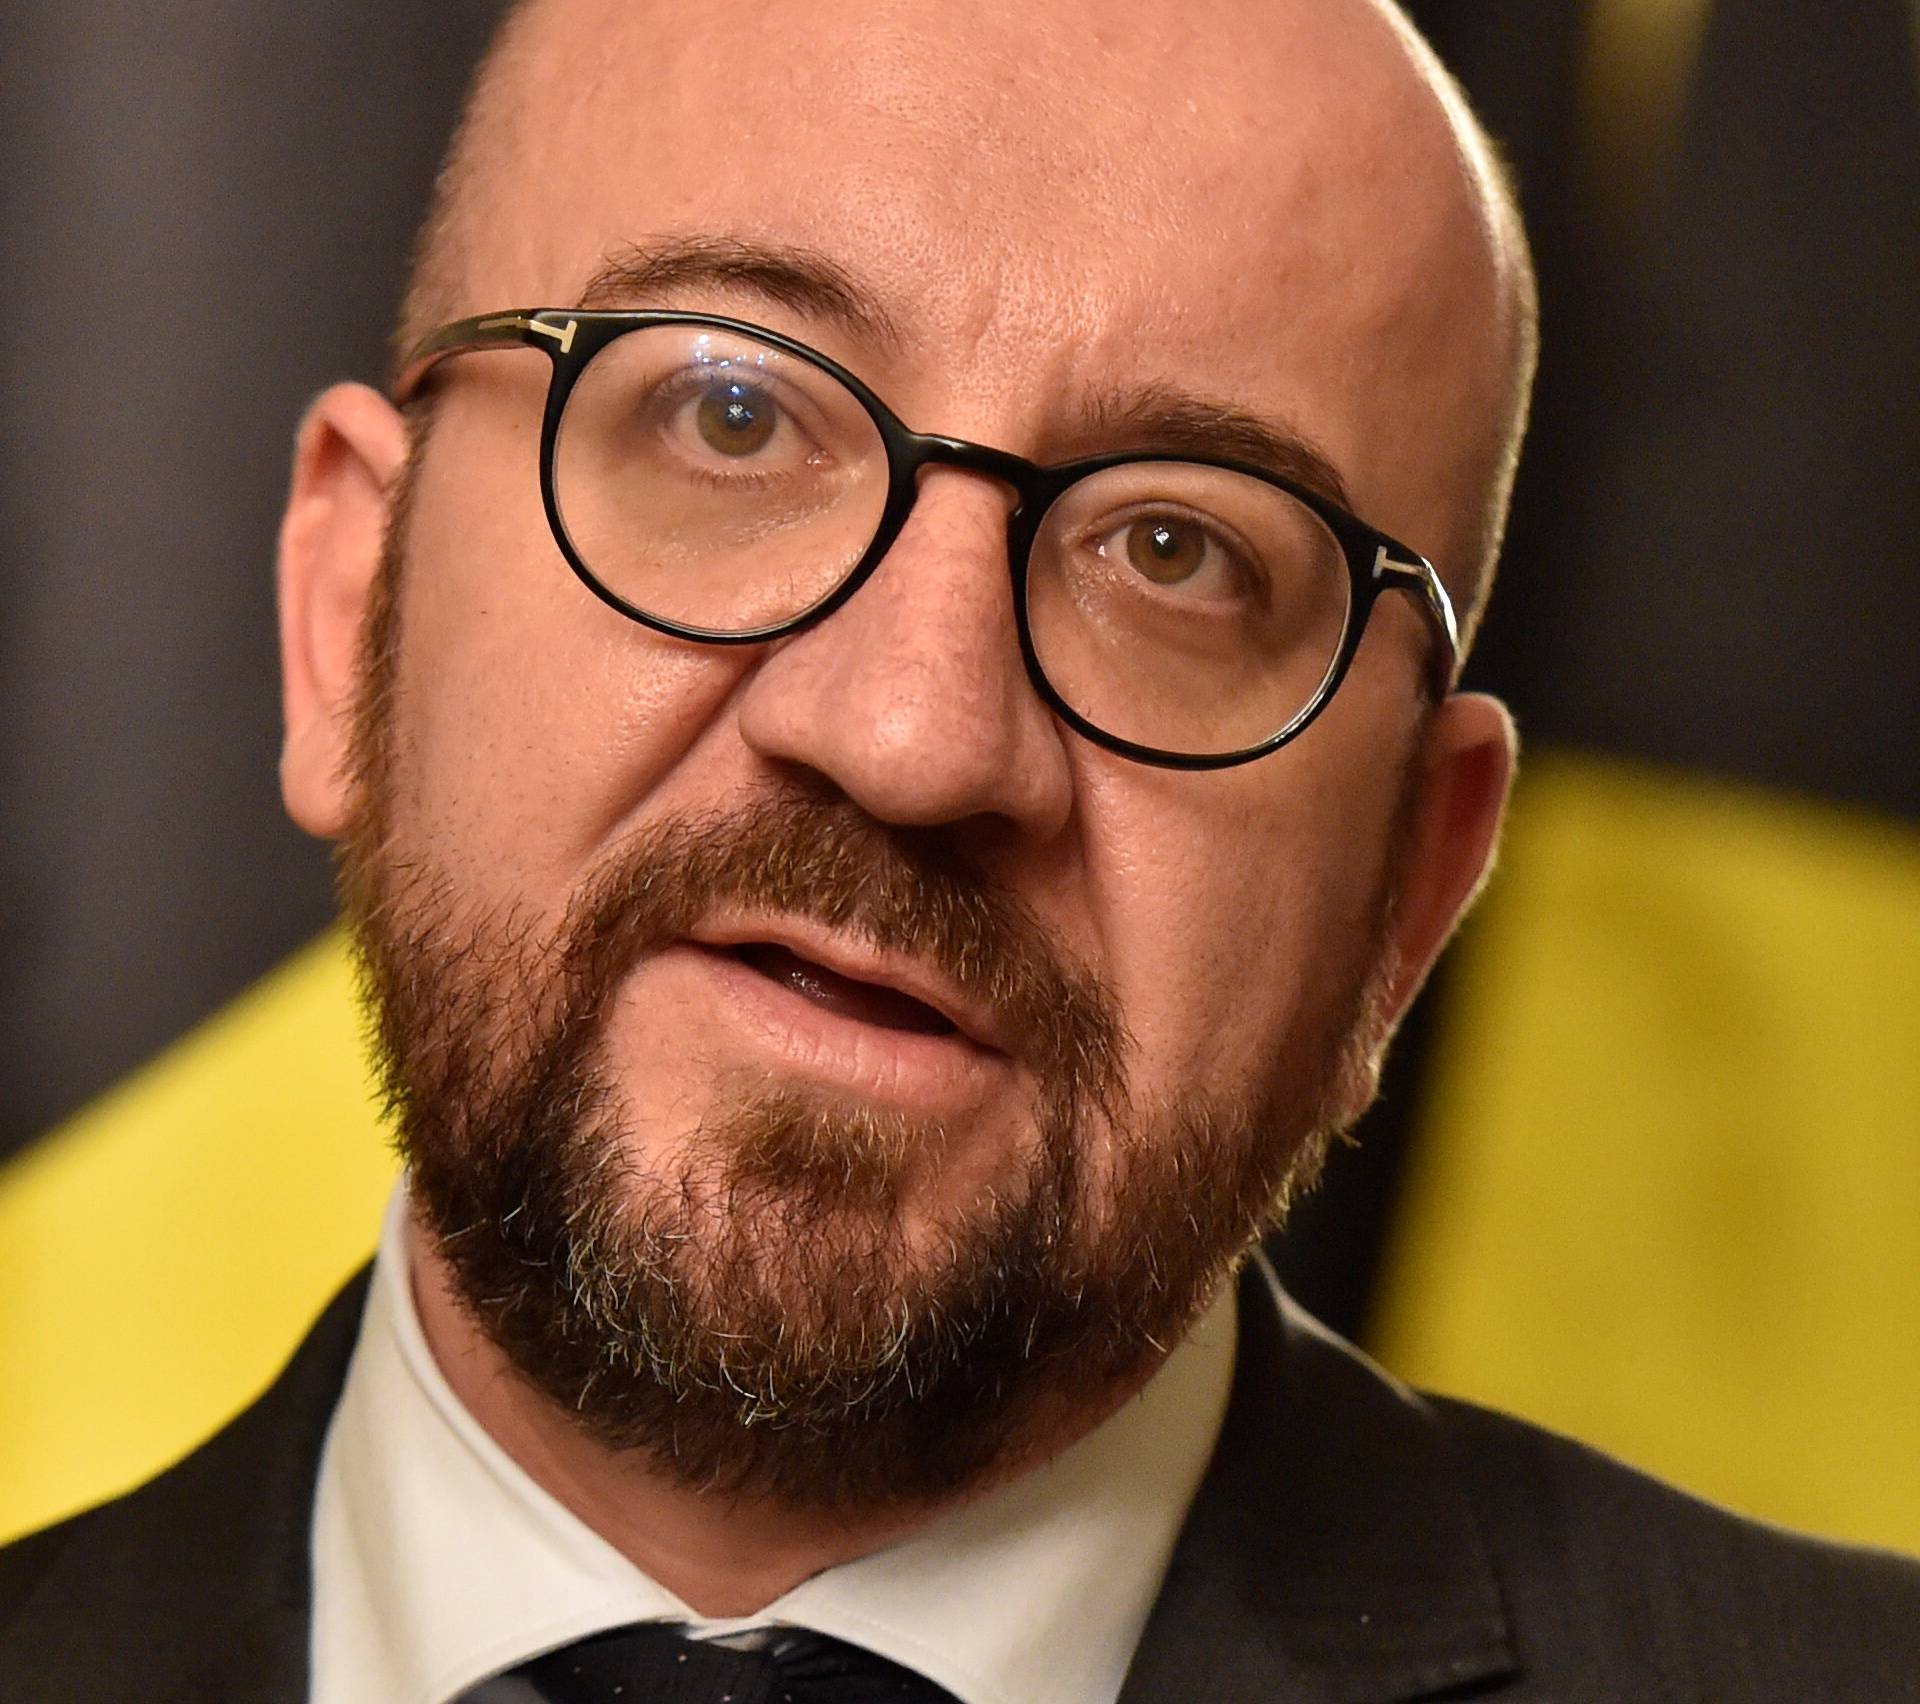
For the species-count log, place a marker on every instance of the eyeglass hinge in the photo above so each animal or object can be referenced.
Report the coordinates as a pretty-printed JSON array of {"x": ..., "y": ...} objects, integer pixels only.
[{"x": 561, "y": 335}]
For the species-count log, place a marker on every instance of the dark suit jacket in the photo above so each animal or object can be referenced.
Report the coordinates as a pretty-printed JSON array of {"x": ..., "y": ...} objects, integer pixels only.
[{"x": 1351, "y": 1542}]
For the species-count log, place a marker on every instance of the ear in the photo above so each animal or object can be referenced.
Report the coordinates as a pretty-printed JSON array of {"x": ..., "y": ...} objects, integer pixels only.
[
  {"x": 347, "y": 462},
  {"x": 1466, "y": 770}
]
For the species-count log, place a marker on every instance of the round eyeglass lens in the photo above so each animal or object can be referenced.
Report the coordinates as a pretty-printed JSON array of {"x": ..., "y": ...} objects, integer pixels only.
[
  {"x": 1186, "y": 608},
  {"x": 716, "y": 482}
]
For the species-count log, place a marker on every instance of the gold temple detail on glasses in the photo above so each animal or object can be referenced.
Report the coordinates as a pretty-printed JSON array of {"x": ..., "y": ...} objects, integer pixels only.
[{"x": 519, "y": 322}]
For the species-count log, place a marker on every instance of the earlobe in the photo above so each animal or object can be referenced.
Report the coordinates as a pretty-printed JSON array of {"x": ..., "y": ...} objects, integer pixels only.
[
  {"x": 347, "y": 463},
  {"x": 1466, "y": 770}
]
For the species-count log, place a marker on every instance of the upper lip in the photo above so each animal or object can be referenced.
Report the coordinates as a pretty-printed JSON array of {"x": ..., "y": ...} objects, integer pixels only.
[{"x": 861, "y": 962}]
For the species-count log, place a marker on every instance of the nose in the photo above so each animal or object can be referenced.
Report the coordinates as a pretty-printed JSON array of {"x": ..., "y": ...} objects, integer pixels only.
[{"x": 912, "y": 698}]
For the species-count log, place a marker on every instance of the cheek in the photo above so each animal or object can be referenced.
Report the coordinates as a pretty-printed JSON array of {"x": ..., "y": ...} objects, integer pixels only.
[
  {"x": 532, "y": 720},
  {"x": 1232, "y": 907}
]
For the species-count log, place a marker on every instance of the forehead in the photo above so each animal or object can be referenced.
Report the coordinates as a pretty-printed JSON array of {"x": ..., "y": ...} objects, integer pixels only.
[{"x": 1263, "y": 202}]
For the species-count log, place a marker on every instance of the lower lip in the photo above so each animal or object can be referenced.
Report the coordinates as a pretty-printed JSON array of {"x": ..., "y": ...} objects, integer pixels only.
[{"x": 937, "y": 1074}]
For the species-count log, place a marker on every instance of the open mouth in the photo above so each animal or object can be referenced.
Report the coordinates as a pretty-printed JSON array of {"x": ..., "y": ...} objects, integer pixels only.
[{"x": 867, "y": 1002}]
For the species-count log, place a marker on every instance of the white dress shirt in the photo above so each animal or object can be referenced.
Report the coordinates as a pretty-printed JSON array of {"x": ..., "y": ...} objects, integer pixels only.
[{"x": 438, "y": 1562}]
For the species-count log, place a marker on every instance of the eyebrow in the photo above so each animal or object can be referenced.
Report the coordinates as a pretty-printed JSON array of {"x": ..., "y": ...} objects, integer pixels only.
[
  {"x": 1156, "y": 416},
  {"x": 801, "y": 279},
  {"x": 1182, "y": 422}
]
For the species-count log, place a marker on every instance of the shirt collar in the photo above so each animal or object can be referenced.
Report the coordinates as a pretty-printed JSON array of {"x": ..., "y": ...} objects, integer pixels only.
[{"x": 438, "y": 1561}]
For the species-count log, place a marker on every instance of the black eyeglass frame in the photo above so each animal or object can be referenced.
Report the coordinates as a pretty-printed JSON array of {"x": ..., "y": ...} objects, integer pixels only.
[{"x": 571, "y": 337}]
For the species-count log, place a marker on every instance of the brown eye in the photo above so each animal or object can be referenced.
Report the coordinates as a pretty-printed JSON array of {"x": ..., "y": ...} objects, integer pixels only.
[
  {"x": 1167, "y": 552},
  {"x": 736, "y": 419}
]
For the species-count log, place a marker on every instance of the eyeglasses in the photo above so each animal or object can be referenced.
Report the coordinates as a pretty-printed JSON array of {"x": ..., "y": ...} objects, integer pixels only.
[{"x": 725, "y": 484}]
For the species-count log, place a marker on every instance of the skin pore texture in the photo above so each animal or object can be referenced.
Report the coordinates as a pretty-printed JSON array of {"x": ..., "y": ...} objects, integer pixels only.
[{"x": 804, "y": 1278}]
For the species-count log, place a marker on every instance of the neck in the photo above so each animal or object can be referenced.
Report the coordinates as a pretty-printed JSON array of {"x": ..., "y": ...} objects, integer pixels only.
[{"x": 722, "y": 1556}]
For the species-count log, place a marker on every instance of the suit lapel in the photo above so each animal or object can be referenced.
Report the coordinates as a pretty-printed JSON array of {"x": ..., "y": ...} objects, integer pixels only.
[
  {"x": 197, "y": 1588},
  {"x": 1331, "y": 1553}
]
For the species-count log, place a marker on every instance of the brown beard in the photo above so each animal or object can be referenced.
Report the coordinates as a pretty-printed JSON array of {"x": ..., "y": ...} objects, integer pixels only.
[{"x": 751, "y": 1313}]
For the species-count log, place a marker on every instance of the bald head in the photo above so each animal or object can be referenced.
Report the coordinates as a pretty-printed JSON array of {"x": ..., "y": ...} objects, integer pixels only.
[{"x": 1295, "y": 185}]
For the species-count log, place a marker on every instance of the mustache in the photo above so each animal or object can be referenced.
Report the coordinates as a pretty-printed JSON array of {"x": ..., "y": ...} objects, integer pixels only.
[{"x": 819, "y": 856}]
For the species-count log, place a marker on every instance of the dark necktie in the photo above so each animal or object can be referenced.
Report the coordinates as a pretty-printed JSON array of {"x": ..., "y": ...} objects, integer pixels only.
[{"x": 655, "y": 1663}]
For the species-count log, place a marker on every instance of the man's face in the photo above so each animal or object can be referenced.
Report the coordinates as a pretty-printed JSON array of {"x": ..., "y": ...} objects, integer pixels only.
[{"x": 837, "y": 970}]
